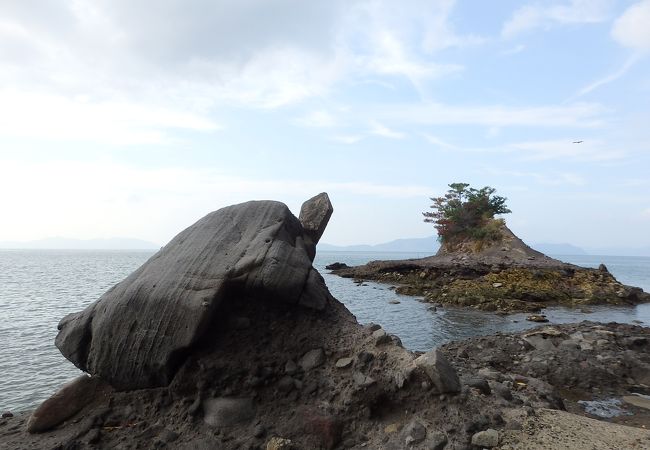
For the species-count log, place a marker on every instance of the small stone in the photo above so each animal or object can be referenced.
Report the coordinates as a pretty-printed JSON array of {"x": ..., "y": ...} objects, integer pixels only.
[
  {"x": 7, "y": 414},
  {"x": 440, "y": 372},
  {"x": 286, "y": 384},
  {"x": 277, "y": 443},
  {"x": 502, "y": 391},
  {"x": 414, "y": 432},
  {"x": 166, "y": 436},
  {"x": 290, "y": 367},
  {"x": 362, "y": 380},
  {"x": 327, "y": 429},
  {"x": 394, "y": 302},
  {"x": 437, "y": 440},
  {"x": 380, "y": 337},
  {"x": 537, "y": 318},
  {"x": 259, "y": 431},
  {"x": 487, "y": 439},
  {"x": 392, "y": 428},
  {"x": 92, "y": 437},
  {"x": 373, "y": 326},
  {"x": 65, "y": 403},
  {"x": 312, "y": 359},
  {"x": 343, "y": 363},
  {"x": 227, "y": 411},
  {"x": 497, "y": 285},
  {"x": 479, "y": 383}
]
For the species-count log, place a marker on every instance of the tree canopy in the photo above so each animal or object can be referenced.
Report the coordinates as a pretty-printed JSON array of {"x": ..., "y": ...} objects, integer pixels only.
[{"x": 466, "y": 212}]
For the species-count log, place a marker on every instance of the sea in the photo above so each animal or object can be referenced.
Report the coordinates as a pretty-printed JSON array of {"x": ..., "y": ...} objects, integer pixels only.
[{"x": 39, "y": 287}]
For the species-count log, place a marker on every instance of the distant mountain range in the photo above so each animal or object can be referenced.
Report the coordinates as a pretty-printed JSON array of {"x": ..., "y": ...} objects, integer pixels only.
[
  {"x": 59, "y": 243},
  {"x": 426, "y": 245},
  {"x": 430, "y": 245}
]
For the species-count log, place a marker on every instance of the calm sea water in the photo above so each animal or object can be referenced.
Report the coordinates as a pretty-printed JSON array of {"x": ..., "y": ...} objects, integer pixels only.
[{"x": 38, "y": 288}]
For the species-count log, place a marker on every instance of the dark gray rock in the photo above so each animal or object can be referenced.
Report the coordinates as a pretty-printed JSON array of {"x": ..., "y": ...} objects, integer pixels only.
[
  {"x": 140, "y": 331},
  {"x": 315, "y": 213},
  {"x": 312, "y": 359},
  {"x": 68, "y": 401},
  {"x": 479, "y": 383},
  {"x": 413, "y": 433},
  {"x": 442, "y": 374},
  {"x": 227, "y": 412},
  {"x": 486, "y": 439},
  {"x": 437, "y": 440}
]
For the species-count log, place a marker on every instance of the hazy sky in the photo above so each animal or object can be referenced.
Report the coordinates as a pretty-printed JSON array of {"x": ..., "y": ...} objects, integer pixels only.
[{"x": 135, "y": 118}]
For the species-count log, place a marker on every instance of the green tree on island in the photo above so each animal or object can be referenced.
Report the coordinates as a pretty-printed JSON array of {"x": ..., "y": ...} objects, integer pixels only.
[{"x": 465, "y": 213}]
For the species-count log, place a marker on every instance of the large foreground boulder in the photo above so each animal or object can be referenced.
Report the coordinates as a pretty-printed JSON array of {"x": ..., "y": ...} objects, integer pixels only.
[{"x": 140, "y": 331}]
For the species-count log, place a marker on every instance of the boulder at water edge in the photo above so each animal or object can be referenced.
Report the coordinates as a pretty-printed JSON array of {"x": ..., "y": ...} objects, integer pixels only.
[{"x": 140, "y": 331}]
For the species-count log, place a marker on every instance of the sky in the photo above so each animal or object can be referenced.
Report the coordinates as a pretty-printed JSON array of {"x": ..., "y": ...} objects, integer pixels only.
[{"x": 135, "y": 119}]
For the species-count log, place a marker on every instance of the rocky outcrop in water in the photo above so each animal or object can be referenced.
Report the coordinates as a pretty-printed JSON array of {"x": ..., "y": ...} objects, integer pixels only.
[
  {"x": 506, "y": 275},
  {"x": 140, "y": 331}
]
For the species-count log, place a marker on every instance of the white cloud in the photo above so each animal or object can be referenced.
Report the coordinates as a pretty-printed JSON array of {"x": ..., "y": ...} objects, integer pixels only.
[
  {"x": 607, "y": 79},
  {"x": 317, "y": 119},
  {"x": 434, "y": 140},
  {"x": 565, "y": 149},
  {"x": 378, "y": 129},
  {"x": 547, "y": 179},
  {"x": 347, "y": 138},
  {"x": 198, "y": 61},
  {"x": 632, "y": 28},
  {"x": 546, "y": 14},
  {"x": 56, "y": 117},
  {"x": 574, "y": 115}
]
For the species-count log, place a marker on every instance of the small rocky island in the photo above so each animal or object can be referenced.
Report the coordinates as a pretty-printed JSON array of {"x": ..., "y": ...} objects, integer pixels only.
[
  {"x": 506, "y": 276},
  {"x": 228, "y": 338},
  {"x": 483, "y": 265}
]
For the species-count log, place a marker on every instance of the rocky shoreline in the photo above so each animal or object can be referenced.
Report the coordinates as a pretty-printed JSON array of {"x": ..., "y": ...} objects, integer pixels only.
[
  {"x": 357, "y": 388},
  {"x": 229, "y": 339}
]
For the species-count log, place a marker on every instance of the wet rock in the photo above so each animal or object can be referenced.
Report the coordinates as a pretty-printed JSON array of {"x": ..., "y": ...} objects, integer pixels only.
[
  {"x": 227, "y": 412},
  {"x": 7, "y": 414},
  {"x": 440, "y": 372},
  {"x": 537, "y": 318},
  {"x": 486, "y": 439},
  {"x": 312, "y": 359},
  {"x": 337, "y": 266},
  {"x": 259, "y": 247},
  {"x": 640, "y": 401},
  {"x": 67, "y": 402}
]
